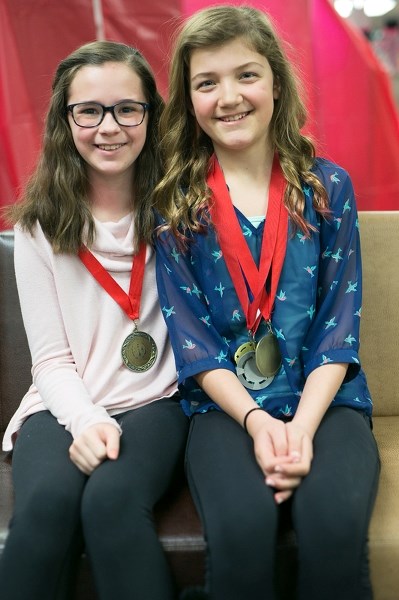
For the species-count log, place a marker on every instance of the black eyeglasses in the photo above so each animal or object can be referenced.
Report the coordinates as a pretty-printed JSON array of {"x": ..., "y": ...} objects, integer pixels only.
[{"x": 127, "y": 113}]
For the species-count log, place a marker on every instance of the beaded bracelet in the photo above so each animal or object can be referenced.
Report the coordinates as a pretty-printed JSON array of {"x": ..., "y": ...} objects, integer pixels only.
[{"x": 247, "y": 415}]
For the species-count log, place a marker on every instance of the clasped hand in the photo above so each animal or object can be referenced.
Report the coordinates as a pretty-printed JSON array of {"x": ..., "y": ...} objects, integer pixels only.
[{"x": 284, "y": 452}]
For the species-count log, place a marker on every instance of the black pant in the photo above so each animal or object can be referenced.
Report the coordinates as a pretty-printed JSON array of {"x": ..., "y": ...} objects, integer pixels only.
[
  {"x": 55, "y": 503},
  {"x": 330, "y": 511}
]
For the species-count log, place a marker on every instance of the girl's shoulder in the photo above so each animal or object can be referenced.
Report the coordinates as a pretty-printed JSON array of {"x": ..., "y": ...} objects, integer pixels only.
[
  {"x": 329, "y": 172},
  {"x": 338, "y": 185},
  {"x": 35, "y": 233}
]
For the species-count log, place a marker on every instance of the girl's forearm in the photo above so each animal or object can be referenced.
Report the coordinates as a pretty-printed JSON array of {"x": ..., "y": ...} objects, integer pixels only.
[
  {"x": 320, "y": 389},
  {"x": 224, "y": 388}
]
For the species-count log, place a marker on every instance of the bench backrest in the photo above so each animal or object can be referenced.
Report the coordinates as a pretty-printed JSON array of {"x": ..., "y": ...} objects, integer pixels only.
[
  {"x": 15, "y": 359},
  {"x": 379, "y": 335},
  {"x": 379, "y": 325}
]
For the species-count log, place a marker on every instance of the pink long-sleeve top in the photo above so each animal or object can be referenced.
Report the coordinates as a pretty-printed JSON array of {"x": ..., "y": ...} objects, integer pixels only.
[{"x": 76, "y": 330}]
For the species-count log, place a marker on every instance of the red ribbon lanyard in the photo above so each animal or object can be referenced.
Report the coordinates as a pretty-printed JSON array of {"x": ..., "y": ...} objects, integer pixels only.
[
  {"x": 240, "y": 263},
  {"x": 130, "y": 303}
]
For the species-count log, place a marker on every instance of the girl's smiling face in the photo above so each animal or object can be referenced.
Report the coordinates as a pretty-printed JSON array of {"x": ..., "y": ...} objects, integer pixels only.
[
  {"x": 109, "y": 149},
  {"x": 232, "y": 91}
]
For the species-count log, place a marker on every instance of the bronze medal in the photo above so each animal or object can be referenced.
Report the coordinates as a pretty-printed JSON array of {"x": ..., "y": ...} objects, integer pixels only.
[
  {"x": 267, "y": 355},
  {"x": 139, "y": 351},
  {"x": 248, "y": 373}
]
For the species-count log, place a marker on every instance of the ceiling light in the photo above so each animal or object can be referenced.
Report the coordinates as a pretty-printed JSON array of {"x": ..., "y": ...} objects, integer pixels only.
[
  {"x": 343, "y": 7},
  {"x": 376, "y": 8}
]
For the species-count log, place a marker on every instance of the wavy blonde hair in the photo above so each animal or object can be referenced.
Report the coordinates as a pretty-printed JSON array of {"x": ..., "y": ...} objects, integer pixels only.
[
  {"x": 56, "y": 194},
  {"x": 182, "y": 195}
]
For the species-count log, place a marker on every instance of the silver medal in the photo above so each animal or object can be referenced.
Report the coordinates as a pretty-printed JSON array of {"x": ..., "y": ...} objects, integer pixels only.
[{"x": 249, "y": 374}]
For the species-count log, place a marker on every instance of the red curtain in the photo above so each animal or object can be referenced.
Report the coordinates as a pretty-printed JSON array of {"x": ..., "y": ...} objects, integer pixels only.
[
  {"x": 19, "y": 130},
  {"x": 146, "y": 25},
  {"x": 355, "y": 111},
  {"x": 352, "y": 113}
]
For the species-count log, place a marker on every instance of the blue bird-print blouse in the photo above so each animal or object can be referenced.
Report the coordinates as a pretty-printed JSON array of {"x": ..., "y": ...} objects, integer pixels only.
[{"x": 317, "y": 309}]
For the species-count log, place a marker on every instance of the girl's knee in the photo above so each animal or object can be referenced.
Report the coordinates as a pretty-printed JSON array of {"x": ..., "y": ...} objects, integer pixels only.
[
  {"x": 49, "y": 505},
  {"x": 106, "y": 505},
  {"x": 231, "y": 531}
]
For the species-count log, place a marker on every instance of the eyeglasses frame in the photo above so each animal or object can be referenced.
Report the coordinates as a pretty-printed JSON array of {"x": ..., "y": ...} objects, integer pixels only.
[{"x": 111, "y": 109}]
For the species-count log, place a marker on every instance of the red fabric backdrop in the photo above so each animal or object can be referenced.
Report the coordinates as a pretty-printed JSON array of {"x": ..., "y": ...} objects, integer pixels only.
[{"x": 352, "y": 113}]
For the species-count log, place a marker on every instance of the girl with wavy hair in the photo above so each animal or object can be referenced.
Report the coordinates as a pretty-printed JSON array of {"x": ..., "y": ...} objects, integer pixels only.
[
  {"x": 99, "y": 435},
  {"x": 259, "y": 275}
]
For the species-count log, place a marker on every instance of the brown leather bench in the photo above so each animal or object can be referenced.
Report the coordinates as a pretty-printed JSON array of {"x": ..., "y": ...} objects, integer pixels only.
[{"x": 177, "y": 521}]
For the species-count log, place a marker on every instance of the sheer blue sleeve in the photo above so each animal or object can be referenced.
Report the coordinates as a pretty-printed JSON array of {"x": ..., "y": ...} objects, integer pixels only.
[
  {"x": 183, "y": 277},
  {"x": 334, "y": 333}
]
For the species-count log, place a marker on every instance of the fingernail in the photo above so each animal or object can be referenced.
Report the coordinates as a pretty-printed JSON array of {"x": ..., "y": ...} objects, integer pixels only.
[
  {"x": 279, "y": 500},
  {"x": 270, "y": 481},
  {"x": 278, "y": 469}
]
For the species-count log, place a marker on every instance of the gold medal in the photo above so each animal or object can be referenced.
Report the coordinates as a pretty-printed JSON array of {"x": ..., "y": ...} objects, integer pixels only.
[
  {"x": 139, "y": 351},
  {"x": 243, "y": 349},
  {"x": 267, "y": 355}
]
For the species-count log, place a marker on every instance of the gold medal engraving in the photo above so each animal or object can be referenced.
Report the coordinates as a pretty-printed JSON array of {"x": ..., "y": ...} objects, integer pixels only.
[
  {"x": 139, "y": 351},
  {"x": 267, "y": 355}
]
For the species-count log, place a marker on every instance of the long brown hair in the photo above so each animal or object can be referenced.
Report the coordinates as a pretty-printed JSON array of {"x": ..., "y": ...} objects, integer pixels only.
[
  {"x": 57, "y": 192},
  {"x": 182, "y": 195}
]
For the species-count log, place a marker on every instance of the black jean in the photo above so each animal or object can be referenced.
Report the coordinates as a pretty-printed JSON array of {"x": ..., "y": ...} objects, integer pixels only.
[
  {"x": 58, "y": 509},
  {"x": 330, "y": 511}
]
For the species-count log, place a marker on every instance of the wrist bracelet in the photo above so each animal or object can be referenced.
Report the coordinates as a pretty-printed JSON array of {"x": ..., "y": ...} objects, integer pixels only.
[{"x": 247, "y": 415}]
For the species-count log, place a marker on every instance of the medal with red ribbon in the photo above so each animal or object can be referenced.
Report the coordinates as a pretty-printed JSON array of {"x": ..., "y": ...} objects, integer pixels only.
[
  {"x": 139, "y": 350},
  {"x": 256, "y": 287}
]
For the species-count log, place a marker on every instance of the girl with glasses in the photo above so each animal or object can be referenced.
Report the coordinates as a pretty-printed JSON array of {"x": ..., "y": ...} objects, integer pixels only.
[
  {"x": 99, "y": 435},
  {"x": 259, "y": 274}
]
